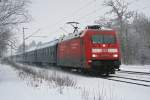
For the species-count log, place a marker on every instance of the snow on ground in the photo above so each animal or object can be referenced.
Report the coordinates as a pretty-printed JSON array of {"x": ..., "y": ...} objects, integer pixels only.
[
  {"x": 15, "y": 85},
  {"x": 14, "y": 88},
  {"x": 137, "y": 68}
]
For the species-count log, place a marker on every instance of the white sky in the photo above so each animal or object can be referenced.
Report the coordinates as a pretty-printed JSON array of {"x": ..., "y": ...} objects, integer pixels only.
[{"x": 50, "y": 15}]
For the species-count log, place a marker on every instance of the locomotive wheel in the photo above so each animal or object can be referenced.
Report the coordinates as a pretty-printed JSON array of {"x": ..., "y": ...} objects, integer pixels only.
[
  {"x": 106, "y": 74},
  {"x": 117, "y": 67},
  {"x": 112, "y": 71}
]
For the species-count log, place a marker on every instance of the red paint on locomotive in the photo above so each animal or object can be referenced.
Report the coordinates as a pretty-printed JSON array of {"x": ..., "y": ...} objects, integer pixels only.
[{"x": 92, "y": 45}]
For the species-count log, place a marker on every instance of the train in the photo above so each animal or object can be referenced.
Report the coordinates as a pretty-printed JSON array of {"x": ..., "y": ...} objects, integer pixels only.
[{"x": 90, "y": 50}]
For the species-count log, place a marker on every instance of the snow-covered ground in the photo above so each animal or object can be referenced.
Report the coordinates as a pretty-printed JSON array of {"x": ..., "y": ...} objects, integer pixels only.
[
  {"x": 13, "y": 87},
  {"x": 136, "y": 68},
  {"x": 50, "y": 85}
]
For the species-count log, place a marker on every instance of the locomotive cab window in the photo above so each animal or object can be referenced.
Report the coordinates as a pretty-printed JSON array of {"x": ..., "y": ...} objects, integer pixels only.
[{"x": 103, "y": 38}]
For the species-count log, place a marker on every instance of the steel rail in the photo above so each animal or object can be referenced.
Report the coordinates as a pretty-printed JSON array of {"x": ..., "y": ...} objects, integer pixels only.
[
  {"x": 134, "y": 72},
  {"x": 128, "y": 82}
]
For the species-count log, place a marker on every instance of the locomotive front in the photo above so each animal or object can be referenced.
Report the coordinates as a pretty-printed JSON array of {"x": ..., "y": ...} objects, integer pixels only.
[{"x": 103, "y": 54}]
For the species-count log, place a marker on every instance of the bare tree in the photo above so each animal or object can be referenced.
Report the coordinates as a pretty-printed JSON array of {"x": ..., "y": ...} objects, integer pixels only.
[
  {"x": 105, "y": 22},
  {"x": 141, "y": 25},
  {"x": 4, "y": 41},
  {"x": 20, "y": 48},
  {"x": 119, "y": 9},
  {"x": 32, "y": 44},
  {"x": 120, "y": 20},
  {"x": 133, "y": 31},
  {"x": 12, "y": 13}
]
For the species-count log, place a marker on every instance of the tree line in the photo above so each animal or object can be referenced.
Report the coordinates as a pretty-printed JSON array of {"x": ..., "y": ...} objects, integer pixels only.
[
  {"x": 12, "y": 14},
  {"x": 132, "y": 28}
]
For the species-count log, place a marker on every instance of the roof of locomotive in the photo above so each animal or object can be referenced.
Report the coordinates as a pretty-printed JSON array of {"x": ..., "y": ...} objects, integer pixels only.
[
  {"x": 70, "y": 36},
  {"x": 81, "y": 33}
]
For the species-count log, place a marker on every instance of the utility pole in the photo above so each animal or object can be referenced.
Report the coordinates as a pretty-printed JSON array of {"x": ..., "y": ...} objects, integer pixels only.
[
  {"x": 24, "y": 39},
  {"x": 24, "y": 42}
]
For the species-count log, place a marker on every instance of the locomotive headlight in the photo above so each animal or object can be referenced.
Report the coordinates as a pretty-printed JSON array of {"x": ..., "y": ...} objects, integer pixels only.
[
  {"x": 115, "y": 55},
  {"x": 89, "y": 61},
  {"x": 94, "y": 55},
  {"x": 113, "y": 50}
]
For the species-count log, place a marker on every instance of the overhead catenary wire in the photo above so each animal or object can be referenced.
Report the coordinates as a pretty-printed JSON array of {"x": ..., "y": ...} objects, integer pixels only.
[
  {"x": 88, "y": 15},
  {"x": 145, "y": 7},
  {"x": 135, "y": 1},
  {"x": 91, "y": 13},
  {"x": 132, "y": 2},
  {"x": 74, "y": 12},
  {"x": 83, "y": 17},
  {"x": 77, "y": 11}
]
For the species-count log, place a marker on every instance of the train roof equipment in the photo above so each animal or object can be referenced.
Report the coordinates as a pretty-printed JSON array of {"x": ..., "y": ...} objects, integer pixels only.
[
  {"x": 94, "y": 27},
  {"x": 74, "y": 25}
]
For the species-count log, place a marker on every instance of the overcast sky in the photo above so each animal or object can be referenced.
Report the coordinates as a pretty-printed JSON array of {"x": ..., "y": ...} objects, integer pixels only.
[{"x": 50, "y": 15}]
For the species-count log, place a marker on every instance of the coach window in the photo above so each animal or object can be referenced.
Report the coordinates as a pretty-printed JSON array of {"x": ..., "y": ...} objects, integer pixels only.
[
  {"x": 47, "y": 51},
  {"x": 44, "y": 51},
  {"x": 52, "y": 54},
  {"x": 39, "y": 53},
  {"x": 34, "y": 52}
]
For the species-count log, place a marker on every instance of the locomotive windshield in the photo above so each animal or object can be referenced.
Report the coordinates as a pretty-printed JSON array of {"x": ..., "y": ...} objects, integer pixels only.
[{"x": 103, "y": 38}]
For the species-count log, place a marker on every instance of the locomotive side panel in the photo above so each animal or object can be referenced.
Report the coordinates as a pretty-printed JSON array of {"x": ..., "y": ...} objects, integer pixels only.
[
  {"x": 70, "y": 53},
  {"x": 88, "y": 46},
  {"x": 75, "y": 52}
]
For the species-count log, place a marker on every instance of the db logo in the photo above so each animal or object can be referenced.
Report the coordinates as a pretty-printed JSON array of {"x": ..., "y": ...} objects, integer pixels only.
[{"x": 104, "y": 50}]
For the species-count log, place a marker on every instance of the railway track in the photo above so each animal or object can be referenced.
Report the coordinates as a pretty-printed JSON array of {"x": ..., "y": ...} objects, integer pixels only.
[
  {"x": 130, "y": 82},
  {"x": 134, "y": 72},
  {"x": 127, "y": 77},
  {"x": 137, "y": 78}
]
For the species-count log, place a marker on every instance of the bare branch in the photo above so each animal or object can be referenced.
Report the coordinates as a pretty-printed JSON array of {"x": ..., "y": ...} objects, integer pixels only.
[{"x": 12, "y": 13}]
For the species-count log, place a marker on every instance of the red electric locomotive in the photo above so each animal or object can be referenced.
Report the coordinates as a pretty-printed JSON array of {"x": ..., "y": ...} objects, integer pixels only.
[{"x": 92, "y": 49}]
